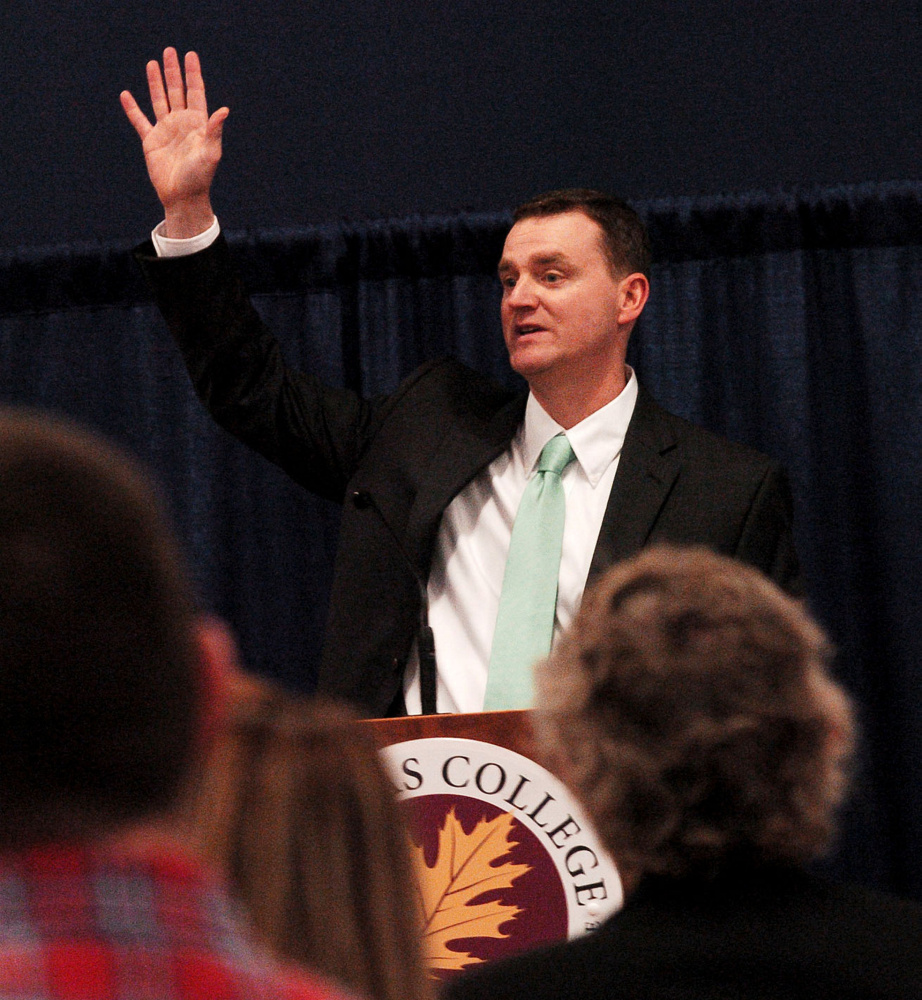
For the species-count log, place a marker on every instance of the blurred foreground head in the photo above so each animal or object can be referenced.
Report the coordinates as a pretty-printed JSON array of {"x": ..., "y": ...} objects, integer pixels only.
[
  {"x": 296, "y": 807},
  {"x": 99, "y": 672},
  {"x": 691, "y": 708}
]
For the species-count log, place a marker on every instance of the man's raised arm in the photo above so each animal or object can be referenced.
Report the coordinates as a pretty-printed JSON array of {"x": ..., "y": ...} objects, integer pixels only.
[{"x": 183, "y": 148}]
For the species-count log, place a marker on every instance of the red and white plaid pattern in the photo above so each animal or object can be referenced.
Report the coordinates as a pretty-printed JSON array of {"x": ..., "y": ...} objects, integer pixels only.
[{"x": 80, "y": 924}]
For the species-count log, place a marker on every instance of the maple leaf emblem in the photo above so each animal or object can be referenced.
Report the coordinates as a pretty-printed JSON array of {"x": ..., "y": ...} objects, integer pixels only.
[{"x": 465, "y": 869}]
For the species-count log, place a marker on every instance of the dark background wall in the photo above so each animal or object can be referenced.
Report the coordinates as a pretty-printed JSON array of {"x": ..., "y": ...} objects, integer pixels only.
[{"x": 371, "y": 108}]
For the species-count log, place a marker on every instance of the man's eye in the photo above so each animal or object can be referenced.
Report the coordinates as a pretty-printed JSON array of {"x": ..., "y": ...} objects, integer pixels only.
[{"x": 552, "y": 277}]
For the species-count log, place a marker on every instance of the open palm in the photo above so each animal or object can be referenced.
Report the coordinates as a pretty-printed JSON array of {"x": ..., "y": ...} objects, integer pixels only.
[
  {"x": 181, "y": 155},
  {"x": 183, "y": 148}
]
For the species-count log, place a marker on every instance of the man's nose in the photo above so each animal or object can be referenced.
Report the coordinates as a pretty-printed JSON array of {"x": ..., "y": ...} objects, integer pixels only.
[{"x": 522, "y": 293}]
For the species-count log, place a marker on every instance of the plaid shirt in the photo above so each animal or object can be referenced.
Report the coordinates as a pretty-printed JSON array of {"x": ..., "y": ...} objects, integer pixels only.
[{"x": 84, "y": 924}]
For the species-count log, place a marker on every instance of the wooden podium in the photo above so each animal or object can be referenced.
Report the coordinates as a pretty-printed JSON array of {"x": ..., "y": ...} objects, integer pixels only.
[{"x": 504, "y": 729}]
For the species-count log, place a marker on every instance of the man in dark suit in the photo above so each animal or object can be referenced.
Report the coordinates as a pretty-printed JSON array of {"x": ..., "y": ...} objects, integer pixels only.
[
  {"x": 432, "y": 477},
  {"x": 691, "y": 709}
]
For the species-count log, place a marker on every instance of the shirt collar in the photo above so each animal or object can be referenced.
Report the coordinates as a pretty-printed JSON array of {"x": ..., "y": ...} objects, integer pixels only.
[{"x": 596, "y": 441}]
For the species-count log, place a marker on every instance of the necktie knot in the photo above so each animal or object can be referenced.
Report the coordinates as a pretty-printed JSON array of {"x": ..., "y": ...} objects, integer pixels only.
[{"x": 556, "y": 455}]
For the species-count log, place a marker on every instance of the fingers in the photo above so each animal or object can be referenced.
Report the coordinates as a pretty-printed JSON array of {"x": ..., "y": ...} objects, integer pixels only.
[
  {"x": 215, "y": 126},
  {"x": 195, "y": 85},
  {"x": 135, "y": 115},
  {"x": 175, "y": 89},
  {"x": 169, "y": 93},
  {"x": 157, "y": 94}
]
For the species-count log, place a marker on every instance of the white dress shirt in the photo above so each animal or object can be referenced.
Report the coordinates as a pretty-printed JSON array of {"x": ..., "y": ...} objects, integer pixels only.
[{"x": 469, "y": 561}]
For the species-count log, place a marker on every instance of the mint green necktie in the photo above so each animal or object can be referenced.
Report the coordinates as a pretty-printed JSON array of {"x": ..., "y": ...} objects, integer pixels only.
[{"x": 528, "y": 601}]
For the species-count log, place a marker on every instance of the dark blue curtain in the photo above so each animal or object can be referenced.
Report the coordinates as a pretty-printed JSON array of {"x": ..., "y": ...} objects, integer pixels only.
[{"x": 792, "y": 322}]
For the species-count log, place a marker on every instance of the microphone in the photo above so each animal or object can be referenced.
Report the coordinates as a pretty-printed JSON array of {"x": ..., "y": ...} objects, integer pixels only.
[{"x": 425, "y": 640}]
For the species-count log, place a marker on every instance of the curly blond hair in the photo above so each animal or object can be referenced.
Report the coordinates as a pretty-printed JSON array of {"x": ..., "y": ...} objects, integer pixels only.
[{"x": 691, "y": 709}]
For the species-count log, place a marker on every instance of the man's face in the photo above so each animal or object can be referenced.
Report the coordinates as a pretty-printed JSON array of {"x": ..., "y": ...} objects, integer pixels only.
[{"x": 561, "y": 303}]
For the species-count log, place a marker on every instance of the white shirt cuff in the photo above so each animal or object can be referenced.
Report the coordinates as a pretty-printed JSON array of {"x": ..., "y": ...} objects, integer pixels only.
[{"x": 167, "y": 247}]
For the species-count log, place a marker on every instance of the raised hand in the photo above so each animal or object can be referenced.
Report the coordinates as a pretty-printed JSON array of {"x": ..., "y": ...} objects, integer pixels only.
[{"x": 183, "y": 148}]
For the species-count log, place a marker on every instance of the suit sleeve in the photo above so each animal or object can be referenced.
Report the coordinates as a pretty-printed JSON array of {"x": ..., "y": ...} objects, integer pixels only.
[
  {"x": 767, "y": 539},
  {"x": 314, "y": 432}
]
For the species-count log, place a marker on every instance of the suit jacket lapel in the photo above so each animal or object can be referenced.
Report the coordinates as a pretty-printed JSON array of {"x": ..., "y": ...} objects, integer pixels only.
[
  {"x": 466, "y": 450},
  {"x": 647, "y": 469}
]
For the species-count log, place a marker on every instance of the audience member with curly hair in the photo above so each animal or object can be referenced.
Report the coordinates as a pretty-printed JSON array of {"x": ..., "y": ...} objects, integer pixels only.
[
  {"x": 298, "y": 810},
  {"x": 692, "y": 711}
]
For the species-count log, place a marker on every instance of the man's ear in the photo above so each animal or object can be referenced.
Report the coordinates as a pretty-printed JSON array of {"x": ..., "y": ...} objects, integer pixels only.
[
  {"x": 633, "y": 292},
  {"x": 219, "y": 664}
]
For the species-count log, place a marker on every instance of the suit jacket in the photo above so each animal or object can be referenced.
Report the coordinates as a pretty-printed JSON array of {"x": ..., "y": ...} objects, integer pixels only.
[
  {"x": 752, "y": 934},
  {"x": 414, "y": 450}
]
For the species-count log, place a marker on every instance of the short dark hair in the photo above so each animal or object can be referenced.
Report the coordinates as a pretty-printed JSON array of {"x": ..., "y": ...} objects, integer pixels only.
[
  {"x": 625, "y": 238},
  {"x": 692, "y": 710},
  {"x": 99, "y": 677}
]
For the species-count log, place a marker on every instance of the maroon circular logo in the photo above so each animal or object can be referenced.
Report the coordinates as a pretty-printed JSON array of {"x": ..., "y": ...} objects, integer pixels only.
[{"x": 506, "y": 859}]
